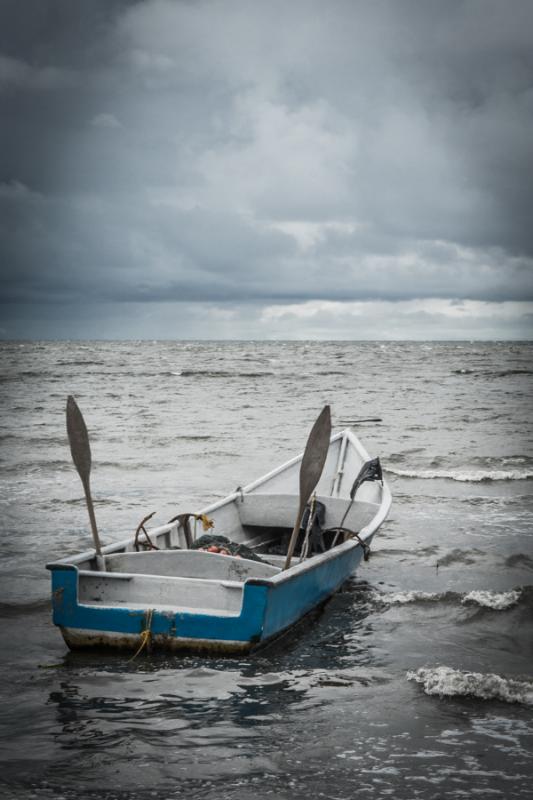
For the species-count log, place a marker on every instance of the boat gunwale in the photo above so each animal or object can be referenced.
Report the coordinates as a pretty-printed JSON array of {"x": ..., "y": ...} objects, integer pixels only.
[
  {"x": 130, "y": 576},
  {"x": 365, "y": 533},
  {"x": 282, "y": 576}
]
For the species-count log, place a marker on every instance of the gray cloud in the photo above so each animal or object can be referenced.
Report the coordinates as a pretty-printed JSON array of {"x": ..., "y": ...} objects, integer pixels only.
[{"x": 267, "y": 153}]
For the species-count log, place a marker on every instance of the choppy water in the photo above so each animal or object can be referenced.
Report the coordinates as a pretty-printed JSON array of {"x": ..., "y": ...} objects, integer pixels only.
[{"x": 417, "y": 679}]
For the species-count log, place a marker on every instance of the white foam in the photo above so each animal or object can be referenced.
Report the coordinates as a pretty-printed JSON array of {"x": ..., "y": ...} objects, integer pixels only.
[
  {"x": 474, "y": 476},
  {"x": 448, "y": 682},
  {"x": 498, "y": 601},
  {"x": 400, "y": 598}
]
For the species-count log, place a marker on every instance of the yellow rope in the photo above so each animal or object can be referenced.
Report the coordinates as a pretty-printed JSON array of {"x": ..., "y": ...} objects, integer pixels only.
[
  {"x": 207, "y": 523},
  {"x": 146, "y": 634}
]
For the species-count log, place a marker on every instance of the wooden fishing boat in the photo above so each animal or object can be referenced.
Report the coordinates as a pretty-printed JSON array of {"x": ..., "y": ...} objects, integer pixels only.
[{"x": 159, "y": 589}]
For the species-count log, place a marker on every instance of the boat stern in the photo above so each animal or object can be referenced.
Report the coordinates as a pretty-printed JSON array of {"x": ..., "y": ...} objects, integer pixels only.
[{"x": 162, "y": 627}]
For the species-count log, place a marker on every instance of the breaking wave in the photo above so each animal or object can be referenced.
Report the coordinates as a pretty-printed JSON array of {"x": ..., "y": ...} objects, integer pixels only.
[
  {"x": 497, "y": 601},
  {"x": 448, "y": 682},
  {"x": 402, "y": 598},
  {"x": 474, "y": 476}
]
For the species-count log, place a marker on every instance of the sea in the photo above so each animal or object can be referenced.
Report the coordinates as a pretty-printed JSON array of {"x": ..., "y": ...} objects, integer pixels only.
[{"x": 416, "y": 679}]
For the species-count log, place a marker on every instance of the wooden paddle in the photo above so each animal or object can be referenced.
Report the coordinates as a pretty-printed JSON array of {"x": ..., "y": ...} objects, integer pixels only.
[
  {"x": 81, "y": 455},
  {"x": 313, "y": 461}
]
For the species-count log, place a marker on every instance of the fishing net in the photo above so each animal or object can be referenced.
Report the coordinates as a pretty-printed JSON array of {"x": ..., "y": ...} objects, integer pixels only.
[{"x": 225, "y": 546}]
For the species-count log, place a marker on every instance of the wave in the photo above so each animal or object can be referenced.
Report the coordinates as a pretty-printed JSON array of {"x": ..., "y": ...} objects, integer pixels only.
[
  {"x": 414, "y": 596},
  {"x": 497, "y": 601},
  {"x": 474, "y": 476},
  {"x": 448, "y": 682},
  {"x": 215, "y": 373},
  {"x": 20, "y": 609},
  {"x": 80, "y": 363},
  {"x": 519, "y": 560},
  {"x": 505, "y": 373},
  {"x": 46, "y": 440},
  {"x": 80, "y": 501},
  {"x": 194, "y": 438},
  {"x": 37, "y": 466}
]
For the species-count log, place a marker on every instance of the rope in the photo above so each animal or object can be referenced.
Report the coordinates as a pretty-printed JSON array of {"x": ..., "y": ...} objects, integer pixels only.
[
  {"x": 352, "y": 535},
  {"x": 207, "y": 523},
  {"x": 350, "y": 504},
  {"x": 146, "y": 634}
]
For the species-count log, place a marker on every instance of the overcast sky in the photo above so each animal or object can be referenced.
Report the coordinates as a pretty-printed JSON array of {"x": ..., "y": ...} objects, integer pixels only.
[{"x": 245, "y": 169}]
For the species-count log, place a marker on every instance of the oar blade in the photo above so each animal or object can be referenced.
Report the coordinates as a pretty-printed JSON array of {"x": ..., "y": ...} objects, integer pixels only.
[
  {"x": 78, "y": 439},
  {"x": 315, "y": 454},
  {"x": 313, "y": 460},
  {"x": 81, "y": 455}
]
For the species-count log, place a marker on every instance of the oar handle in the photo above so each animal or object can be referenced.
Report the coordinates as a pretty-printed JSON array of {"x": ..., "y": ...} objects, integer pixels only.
[
  {"x": 294, "y": 536},
  {"x": 92, "y": 517}
]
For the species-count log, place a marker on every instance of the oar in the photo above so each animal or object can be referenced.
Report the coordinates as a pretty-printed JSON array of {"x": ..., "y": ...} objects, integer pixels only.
[
  {"x": 81, "y": 455},
  {"x": 313, "y": 461}
]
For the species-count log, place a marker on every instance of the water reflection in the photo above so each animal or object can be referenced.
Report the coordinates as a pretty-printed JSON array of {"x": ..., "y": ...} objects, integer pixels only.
[{"x": 206, "y": 718}]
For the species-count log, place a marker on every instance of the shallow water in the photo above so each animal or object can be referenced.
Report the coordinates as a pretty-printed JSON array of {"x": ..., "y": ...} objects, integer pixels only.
[{"x": 415, "y": 681}]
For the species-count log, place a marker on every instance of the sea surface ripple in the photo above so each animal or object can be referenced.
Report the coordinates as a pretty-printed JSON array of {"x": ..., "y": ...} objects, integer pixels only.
[{"x": 416, "y": 681}]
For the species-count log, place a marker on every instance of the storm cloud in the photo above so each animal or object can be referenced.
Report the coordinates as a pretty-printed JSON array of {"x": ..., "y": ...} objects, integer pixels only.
[{"x": 231, "y": 169}]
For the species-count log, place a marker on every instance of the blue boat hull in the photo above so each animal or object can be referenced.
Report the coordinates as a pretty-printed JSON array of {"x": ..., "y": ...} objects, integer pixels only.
[{"x": 269, "y": 607}]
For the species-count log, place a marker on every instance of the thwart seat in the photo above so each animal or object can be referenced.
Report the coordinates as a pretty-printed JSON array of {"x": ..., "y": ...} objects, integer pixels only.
[
  {"x": 279, "y": 511},
  {"x": 189, "y": 564}
]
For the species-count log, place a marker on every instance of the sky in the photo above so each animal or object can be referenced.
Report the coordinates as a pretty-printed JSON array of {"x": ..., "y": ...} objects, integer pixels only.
[{"x": 238, "y": 169}]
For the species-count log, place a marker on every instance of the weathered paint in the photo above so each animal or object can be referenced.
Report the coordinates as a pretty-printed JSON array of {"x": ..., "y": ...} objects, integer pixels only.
[
  {"x": 269, "y": 607},
  {"x": 68, "y": 613},
  {"x": 289, "y": 600},
  {"x": 81, "y": 639}
]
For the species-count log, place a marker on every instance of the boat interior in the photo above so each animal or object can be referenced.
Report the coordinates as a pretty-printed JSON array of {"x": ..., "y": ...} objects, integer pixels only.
[{"x": 163, "y": 570}]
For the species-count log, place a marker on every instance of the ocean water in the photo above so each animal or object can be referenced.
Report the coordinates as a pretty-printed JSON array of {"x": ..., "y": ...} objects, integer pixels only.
[{"x": 416, "y": 681}]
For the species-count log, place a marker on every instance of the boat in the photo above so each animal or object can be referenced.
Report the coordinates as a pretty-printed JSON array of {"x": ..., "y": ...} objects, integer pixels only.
[{"x": 238, "y": 573}]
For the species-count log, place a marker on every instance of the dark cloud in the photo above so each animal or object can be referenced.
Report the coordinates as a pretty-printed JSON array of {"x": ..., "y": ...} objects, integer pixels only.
[{"x": 163, "y": 151}]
